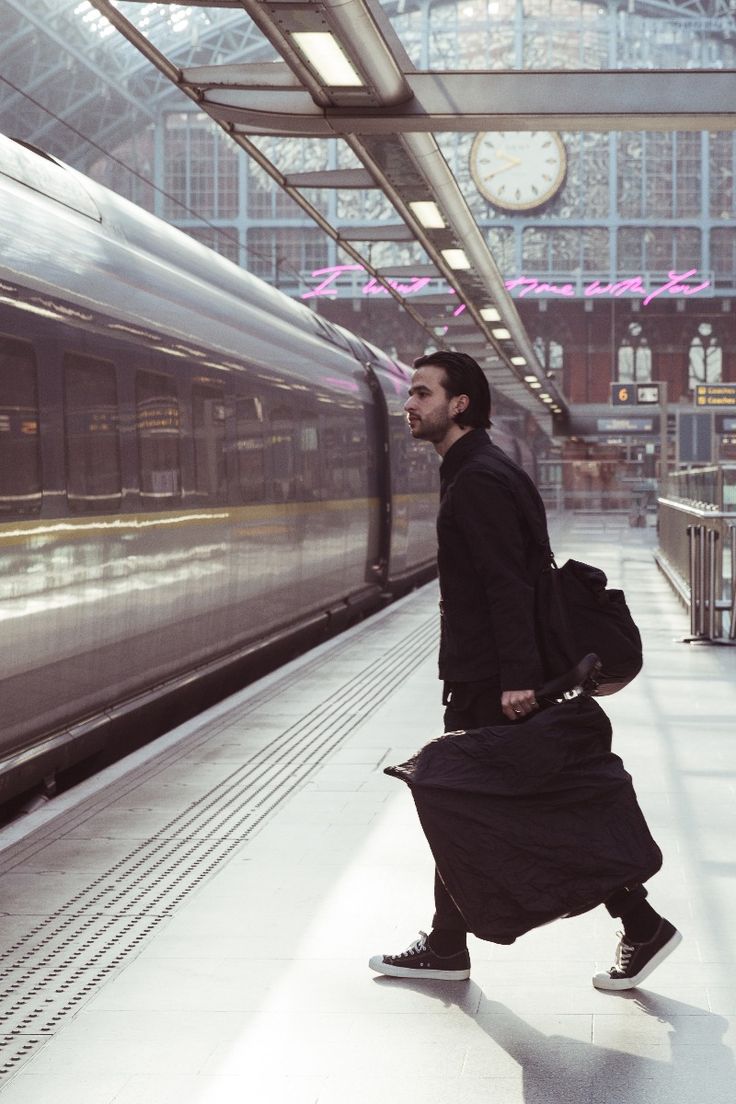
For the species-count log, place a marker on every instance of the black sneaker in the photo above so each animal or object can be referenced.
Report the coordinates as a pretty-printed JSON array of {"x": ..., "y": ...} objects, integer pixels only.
[
  {"x": 635, "y": 961},
  {"x": 420, "y": 961}
]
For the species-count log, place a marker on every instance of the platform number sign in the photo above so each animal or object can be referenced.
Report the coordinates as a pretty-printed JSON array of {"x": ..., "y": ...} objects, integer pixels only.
[
  {"x": 634, "y": 394},
  {"x": 623, "y": 394}
]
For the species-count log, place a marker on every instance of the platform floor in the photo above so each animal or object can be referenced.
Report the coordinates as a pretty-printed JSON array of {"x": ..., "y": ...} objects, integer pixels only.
[{"x": 194, "y": 927}]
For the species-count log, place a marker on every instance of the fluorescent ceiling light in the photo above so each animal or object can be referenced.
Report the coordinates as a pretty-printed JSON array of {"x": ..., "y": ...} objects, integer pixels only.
[
  {"x": 326, "y": 55},
  {"x": 428, "y": 213},
  {"x": 501, "y": 333},
  {"x": 490, "y": 314},
  {"x": 535, "y": 385},
  {"x": 546, "y": 398},
  {"x": 529, "y": 379},
  {"x": 518, "y": 360},
  {"x": 456, "y": 258}
]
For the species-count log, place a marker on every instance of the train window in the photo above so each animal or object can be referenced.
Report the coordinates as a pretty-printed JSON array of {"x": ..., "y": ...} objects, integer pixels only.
[
  {"x": 250, "y": 446},
  {"x": 333, "y": 450},
  {"x": 284, "y": 423},
  {"x": 356, "y": 459},
  {"x": 158, "y": 423},
  {"x": 92, "y": 435},
  {"x": 20, "y": 462},
  {"x": 309, "y": 451},
  {"x": 208, "y": 422}
]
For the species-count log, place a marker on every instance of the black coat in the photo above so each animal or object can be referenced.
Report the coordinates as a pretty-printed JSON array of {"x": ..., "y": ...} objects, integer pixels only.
[
  {"x": 492, "y": 544},
  {"x": 531, "y": 821}
]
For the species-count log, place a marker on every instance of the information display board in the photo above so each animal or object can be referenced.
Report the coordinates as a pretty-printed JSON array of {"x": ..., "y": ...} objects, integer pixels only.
[{"x": 715, "y": 394}]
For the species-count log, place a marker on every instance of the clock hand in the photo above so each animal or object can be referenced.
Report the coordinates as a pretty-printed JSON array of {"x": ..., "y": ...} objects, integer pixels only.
[{"x": 512, "y": 163}]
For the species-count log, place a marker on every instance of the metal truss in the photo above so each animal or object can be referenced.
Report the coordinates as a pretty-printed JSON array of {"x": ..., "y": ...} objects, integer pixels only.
[
  {"x": 388, "y": 118},
  {"x": 212, "y": 53},
  {"x": 56, "y": 67},
  {"x": 406, "y": 168}
]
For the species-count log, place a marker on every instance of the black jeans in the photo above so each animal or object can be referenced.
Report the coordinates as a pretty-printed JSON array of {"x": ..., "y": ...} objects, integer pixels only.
[{"x": 474, "y": 705}]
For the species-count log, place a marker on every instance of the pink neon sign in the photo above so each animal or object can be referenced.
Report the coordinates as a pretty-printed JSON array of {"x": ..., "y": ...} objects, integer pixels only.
[{"x": 523, "y": 285}]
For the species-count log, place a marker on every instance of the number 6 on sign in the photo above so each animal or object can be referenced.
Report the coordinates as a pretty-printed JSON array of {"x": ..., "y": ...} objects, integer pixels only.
[{"x": 622, "y": 395}]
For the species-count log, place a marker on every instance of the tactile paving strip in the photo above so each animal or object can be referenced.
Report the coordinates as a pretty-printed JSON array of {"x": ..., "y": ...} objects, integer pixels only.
[{"x": 56, "y": 966}]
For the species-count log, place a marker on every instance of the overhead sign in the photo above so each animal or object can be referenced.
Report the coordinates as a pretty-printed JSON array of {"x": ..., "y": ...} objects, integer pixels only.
[
  {"x": 634, "y": 394},
  {"x": 715, "y": 394},
  {"x": 625, "y": 425}
]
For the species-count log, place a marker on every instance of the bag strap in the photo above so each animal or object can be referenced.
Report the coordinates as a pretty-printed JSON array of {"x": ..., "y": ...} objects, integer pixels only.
[{"x": 532, "y": 507}]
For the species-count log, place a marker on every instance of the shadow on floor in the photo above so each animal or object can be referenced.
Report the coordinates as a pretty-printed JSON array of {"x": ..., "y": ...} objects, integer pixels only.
[{"x": 688, "y": 1063}]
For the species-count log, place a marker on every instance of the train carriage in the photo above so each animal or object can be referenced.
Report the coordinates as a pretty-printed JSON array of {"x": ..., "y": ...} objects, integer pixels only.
[{"x": 192, "y": 466}]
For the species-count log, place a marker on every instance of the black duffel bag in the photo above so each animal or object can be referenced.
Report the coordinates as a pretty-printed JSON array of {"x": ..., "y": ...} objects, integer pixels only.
[{"x": 577, "y": 614}]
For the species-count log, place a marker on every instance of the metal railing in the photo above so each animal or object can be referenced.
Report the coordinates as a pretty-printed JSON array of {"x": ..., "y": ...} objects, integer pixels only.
[
  {"x": 710, "y": 485},
  {"x": 697, "y": 553}
]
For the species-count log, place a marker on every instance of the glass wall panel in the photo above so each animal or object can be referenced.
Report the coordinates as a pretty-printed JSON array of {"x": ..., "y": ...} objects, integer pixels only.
[
  {"x": 286, "y": 255},
  {"x": 659, "y": 174},
  {"x": 565, "y": 250},
  {"x": 722, "y": 175},
  {"x": 201, "y": 167},
  {"x": 658, "y": 249},
  {"x": 502, "y": 244},
  {"x": 292, "y": 155},
  {"x": 723, "y": 255},
  {"x": 224, "y": 239},
  {"x": 564, "y": 34}
]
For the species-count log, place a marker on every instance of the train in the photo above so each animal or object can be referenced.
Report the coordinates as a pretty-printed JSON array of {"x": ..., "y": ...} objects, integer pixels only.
[{"x": 195, "y": 470}]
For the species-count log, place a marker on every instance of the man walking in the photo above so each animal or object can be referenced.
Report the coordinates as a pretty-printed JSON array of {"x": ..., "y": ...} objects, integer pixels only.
[{"x": 492, "y": 545}]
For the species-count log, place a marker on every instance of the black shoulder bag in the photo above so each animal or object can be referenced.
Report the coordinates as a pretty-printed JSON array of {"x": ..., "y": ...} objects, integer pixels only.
[{"x": 576, "y": 614}]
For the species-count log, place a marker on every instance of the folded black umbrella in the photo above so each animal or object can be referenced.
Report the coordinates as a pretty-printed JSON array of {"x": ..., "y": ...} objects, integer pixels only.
[{"x": 530, "y": 821}]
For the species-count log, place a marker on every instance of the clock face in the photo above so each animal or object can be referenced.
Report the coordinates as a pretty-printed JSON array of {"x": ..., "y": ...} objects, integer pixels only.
[{"x": 517, "y": 169}]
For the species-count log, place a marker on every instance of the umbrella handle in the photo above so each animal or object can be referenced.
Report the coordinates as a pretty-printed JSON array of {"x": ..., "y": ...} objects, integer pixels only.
[{"x": 580, "y": 679}]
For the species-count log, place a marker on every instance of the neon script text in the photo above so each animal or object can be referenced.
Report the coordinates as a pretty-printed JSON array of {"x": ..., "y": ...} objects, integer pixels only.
[{"x": 523, "y": 285}]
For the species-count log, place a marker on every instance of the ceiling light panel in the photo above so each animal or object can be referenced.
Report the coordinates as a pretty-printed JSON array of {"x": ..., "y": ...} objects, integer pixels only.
[
  {"x": 325, "y": 54},
  {"x": 456, "y": 258},
  {"x": 428, "y": 213}
]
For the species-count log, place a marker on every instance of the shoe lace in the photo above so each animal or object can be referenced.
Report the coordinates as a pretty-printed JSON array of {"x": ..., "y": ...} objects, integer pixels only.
[
  {"x": 416, "y": 947},
  {"x": 624, "y": 951}
]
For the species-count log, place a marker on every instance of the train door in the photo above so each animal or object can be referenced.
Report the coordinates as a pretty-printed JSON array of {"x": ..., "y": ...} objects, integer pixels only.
[{"x": 379, "y": 433}]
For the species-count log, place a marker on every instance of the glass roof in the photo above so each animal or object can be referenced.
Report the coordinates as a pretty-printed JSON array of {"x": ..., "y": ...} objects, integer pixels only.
[{"x": 566, "y": 34}]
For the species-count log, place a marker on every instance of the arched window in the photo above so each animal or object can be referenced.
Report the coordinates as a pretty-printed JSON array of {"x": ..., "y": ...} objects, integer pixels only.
[
  {"x": 634, "y": 357},
  {"x": 705, "y": 357}
]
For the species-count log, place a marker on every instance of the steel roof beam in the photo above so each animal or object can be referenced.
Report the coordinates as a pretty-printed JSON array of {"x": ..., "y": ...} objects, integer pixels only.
[
  {"x": 333, "y": 178},
  {"x": 528, "y": 100}
]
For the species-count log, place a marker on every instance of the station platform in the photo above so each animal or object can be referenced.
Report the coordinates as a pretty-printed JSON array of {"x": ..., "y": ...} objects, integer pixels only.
[{"x": 194, "y": 924}]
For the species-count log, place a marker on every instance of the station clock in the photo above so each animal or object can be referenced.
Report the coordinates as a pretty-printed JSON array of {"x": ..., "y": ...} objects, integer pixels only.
[{"x": 518, "y": 170}]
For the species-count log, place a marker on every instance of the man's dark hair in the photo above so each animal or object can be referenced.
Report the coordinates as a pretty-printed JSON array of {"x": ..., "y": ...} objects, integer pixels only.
[{"x": 463, "y": 376}]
